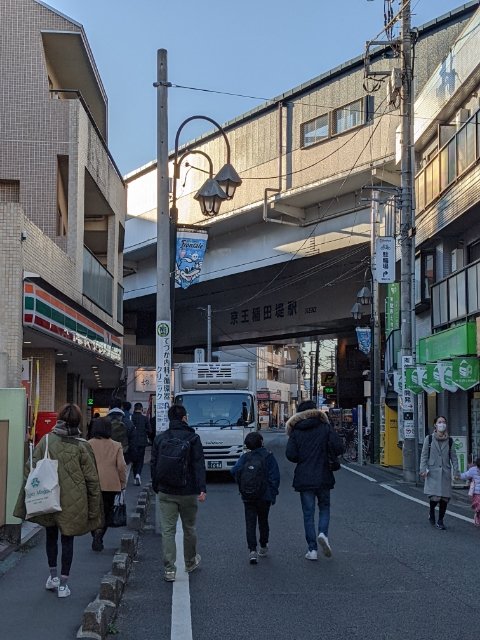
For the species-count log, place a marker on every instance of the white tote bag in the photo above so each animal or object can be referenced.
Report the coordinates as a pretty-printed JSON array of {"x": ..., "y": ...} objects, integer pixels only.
[{"x": 42, "y": 491}]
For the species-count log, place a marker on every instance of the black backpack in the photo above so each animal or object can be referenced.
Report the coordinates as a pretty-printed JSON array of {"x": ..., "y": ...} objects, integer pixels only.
[
  {"x": 172, "y": 462},
  {"x": 252, "y": 477}
]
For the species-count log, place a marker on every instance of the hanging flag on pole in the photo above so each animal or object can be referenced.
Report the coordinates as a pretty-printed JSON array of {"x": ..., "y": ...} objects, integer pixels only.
[
  {"x": 190, "y": 252},
  {"x": 364, "y": 336}
]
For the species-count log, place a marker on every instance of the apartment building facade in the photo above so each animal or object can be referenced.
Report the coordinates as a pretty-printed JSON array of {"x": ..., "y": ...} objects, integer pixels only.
[{"x": 62, "y": 213}]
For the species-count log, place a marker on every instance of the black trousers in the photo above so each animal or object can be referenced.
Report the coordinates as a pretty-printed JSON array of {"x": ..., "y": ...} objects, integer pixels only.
[
  {"x": 257, "y": 511},
  {"x": 52, "y": 550},
  {"x": 137, "y": 463}
]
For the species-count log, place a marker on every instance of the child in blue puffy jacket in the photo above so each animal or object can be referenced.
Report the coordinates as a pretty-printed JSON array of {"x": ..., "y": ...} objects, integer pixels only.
[{"x": 258, "y": 478}]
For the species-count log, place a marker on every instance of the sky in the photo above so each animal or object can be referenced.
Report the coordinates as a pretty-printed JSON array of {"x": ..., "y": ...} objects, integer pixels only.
[{"x": 258, "y": 48}]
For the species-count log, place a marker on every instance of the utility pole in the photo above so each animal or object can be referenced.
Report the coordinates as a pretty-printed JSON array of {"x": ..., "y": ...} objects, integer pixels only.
[
  {"x": 163, "y": 326},
  {"x": 376, "y": 346},
  {"x": 315, "y": 373},
  {"x": 407, "y": 227},
  {"x": 209, "y": 332}
]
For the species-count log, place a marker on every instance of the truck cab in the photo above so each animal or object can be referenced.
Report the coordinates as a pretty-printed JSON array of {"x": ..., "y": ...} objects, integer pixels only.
[{"x": 221, "y": 405}]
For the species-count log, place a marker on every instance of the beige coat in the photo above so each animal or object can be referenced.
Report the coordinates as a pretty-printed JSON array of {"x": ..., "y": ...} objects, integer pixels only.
[{"x": 111, "y": 466}]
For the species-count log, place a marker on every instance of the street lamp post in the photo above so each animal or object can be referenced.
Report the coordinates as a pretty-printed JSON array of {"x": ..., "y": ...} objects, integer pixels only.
[
  {"x": 210, "y": 196},
  {"x": 369, "y": 297}
]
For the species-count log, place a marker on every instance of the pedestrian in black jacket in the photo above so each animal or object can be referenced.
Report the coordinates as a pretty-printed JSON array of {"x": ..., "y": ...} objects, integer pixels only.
[
  {"x": 178, "y": 498},
  {"x": 141, "y": 428},
  {"x": 310, "y": 439},
  {"x": 257, "y": 507}
]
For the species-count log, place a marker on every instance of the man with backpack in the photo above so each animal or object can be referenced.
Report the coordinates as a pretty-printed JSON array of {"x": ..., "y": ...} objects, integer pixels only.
[
  {"x": 178, "y": 476},
  {"x": 141, "y": 428},
  {"x": 258, "y": 478},
  {"x": 122, "y": 428}
]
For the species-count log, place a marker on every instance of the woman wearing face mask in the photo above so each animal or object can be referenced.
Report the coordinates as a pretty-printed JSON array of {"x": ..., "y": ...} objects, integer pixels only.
[{"x": 436, "y": 463}]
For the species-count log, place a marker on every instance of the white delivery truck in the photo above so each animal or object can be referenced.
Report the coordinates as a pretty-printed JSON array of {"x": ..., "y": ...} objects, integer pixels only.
[{"x": 220, "y": 399}]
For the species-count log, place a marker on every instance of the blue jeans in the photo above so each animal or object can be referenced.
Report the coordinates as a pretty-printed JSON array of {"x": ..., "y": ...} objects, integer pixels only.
[{"x": 308, "y": 507}]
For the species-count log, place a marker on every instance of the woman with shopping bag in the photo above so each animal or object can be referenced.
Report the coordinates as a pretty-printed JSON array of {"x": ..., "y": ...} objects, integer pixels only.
[
  {"x": 80, "y": 495},
  {"x": 112, "y": 472}
]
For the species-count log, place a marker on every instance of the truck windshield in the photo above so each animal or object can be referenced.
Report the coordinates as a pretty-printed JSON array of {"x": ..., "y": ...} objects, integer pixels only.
[{"x": 217, "y": 409}]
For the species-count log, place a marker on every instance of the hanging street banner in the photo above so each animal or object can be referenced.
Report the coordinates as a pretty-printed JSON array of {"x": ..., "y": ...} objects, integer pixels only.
[
  {"x": 392, "y": 308},
  {"x": 465, "y": 372},
  {"x": 385, "y": 260},
  {"x": 432, "y": 378},
  {"x": 445, "y": 370},
  {"x": 422, "y": 378},
  {"x": 364, "y": 336},
  {"x": 190, "y": 252},
  {"x": 411, "y": 380}
]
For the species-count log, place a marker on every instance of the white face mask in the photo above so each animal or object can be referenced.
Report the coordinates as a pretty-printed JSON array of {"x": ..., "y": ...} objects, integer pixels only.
[{"x": 441, "y": 426}]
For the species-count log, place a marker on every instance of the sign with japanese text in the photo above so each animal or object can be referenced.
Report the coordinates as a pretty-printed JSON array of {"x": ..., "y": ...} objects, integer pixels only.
[
  {"x": 385, "y": 259},
  {"x": 406, "y": 426},
  {"x": 411, "y": 380},
  {"x": 163, "y": 331},
  {"x": 392, "y": 308},
  {"x": 465, "y": 372},
  {"x": 145, "y": 380},
  {"x": 432, "y": 377}
]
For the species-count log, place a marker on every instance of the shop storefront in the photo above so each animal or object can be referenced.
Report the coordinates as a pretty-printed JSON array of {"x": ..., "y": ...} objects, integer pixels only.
[
  {"x": 446, "y": 380},
  {"x": 271, "y": 410}
]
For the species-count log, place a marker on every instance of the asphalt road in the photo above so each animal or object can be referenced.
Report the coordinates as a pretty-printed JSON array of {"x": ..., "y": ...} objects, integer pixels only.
[{"x": 391, "y": 576}]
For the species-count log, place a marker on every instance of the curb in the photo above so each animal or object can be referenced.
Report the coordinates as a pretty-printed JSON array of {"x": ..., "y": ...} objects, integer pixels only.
[{"x": 100, "y": 613}]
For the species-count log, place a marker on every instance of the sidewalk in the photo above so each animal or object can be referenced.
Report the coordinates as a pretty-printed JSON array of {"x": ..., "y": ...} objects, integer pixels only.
[{"x": 27, "y": 610}]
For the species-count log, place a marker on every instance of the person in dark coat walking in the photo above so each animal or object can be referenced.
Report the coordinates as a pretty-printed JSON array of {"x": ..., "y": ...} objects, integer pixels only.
[
  {"x": 141, "y": 428},
  {"x": 258, "y": 509},
  {"x": 179, "y": 500},
  {"x": 311, "y": 439}
]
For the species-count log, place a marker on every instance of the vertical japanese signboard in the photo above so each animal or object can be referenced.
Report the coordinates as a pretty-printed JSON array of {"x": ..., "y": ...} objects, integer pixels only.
[
  {"x": 407, "y": 426},
  {"x": 392, "y": 308},
  {"x": 385, "y": 259},
  {"x": 163, "y": 370}
]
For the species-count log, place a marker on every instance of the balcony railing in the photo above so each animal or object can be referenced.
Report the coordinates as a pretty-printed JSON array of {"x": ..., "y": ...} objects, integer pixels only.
[
  {"x": 456, "y": 297},
  {"x": 120, "y": 303},
  {"x": 97, "y": 282},
  {"x": 453, "y": 159},
  {"x": 75, "y": 94}
]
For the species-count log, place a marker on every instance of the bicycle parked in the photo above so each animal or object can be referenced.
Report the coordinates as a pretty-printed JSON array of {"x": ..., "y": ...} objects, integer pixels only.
[{"x": 349, "y": 434}]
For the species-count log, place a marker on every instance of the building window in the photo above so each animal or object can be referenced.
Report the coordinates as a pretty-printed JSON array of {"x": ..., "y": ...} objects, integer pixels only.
[
  {"x": 315, "y": 130},
  {"x": 473, "y": 252},
  {"x": 348, "y": 117},
  {"x": 424, "y": 277}
]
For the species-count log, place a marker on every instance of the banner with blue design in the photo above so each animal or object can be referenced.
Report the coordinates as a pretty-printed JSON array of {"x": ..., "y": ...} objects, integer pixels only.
[
  {"x": 190, "y": 251},
  {"x": 364, "y": 337}
]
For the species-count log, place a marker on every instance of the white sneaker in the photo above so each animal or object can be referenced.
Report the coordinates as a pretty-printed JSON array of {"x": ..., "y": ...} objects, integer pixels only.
[
  {"x": 52, "y": 584},
  {"x": 63, "y": 591},
  {"x": 252, "y": 557},
  {"x": 324, "y": 543},
  {"x": 138, "y": 480},
  {"x": 263, "y": 551},
  {"x": 311, "y": 555}
]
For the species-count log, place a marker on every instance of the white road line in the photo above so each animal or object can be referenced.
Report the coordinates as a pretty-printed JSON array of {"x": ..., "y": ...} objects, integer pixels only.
[
  {"x": 181, "y": 614},
  {"x": 404, "y": 495},
  {"x": 363, "y": 475},
  {"x": 423, "y": 502}
]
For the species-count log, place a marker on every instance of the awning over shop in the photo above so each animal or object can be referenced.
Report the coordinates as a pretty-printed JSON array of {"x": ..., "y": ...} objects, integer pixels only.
[{"x": 46, "y": 313}]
